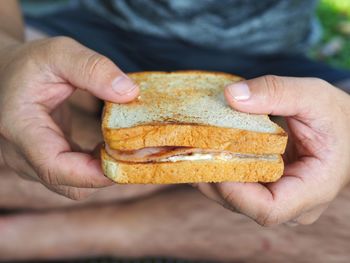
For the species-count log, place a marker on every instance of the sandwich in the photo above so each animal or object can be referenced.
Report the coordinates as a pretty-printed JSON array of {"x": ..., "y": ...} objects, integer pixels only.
[{"x": 181, "y": 130}]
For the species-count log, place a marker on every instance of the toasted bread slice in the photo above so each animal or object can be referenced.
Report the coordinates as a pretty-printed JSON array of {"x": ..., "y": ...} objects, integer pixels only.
[
  {"x": 188, "y": 109},
  {"x": 196, "y": 136},
  {"x": 235, "y": 170}
]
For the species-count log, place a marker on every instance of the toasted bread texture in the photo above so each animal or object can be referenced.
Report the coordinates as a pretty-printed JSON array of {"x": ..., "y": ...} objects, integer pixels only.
[
  {"x": 196, "y": 136},
  {"x": 188, "y": 109},
  {"x": 235, "y": 170}
]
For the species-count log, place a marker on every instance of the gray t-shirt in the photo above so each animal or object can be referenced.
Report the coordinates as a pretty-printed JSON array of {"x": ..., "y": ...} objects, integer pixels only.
[{"x": 256, "y": 27}]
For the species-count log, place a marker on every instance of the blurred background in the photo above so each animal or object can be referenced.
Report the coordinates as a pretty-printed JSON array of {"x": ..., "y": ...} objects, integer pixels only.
[{"x": 334, "y": 48}]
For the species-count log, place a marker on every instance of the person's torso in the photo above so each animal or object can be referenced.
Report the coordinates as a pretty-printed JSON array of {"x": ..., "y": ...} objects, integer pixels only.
[{"x": 248, "y": 26}]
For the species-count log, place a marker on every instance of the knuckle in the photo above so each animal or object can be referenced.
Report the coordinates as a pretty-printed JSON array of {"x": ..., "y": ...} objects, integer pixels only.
[
  {"x": 76, "y": 194},
  {"x": 274, "y": 90},
  {"x": 48, "y": 175},
  {"x": 232, "y": 201},
  {"x": 52, "y": 175},
  {"x": 94, "y": 64},
  {"x": 73, "y": 193},
  {"x": 268, "y": 218},
  {"x": 272, "y": 83}
]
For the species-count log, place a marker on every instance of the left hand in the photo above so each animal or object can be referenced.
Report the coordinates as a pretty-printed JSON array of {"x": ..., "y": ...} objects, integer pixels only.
[
  {"x": 35, "y": 79},
  {"x": 317, "y": 160}
]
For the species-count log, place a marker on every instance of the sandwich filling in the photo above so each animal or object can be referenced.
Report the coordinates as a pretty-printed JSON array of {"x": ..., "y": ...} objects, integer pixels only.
[{"x": 176, "y": 154}]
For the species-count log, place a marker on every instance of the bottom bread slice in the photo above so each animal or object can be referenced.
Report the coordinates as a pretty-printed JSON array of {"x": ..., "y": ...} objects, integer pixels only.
[{"x": 235, "y": 170}]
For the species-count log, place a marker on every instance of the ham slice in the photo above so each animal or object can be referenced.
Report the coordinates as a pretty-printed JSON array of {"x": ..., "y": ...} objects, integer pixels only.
[{"x": 154, "y": 154}]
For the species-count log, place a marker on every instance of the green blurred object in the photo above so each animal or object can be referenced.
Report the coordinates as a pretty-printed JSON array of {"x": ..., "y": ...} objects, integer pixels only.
[{"x": 335, "y": 19}]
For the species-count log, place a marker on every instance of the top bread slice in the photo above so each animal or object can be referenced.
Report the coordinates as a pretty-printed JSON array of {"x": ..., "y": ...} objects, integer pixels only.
[{"x": 187, "y": 108}]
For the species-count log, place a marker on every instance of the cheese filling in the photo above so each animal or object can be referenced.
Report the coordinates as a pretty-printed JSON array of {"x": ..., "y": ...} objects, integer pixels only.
[
  {"x": 189, "y": 157},
  {"x": 177, "y": 154},
  {"x": 225, "y": 156}
]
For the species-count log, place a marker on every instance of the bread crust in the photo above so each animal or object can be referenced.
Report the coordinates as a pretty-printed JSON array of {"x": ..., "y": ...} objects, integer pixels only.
[
  {"x": 140, "y": 76},
  {"x": 195, "y": 136},
  {"x": 188, "y": 130},
  {"x": 144, "y": 74},
  {"x": 245, "y": 170},
  {"x": 168, "y": 132}
]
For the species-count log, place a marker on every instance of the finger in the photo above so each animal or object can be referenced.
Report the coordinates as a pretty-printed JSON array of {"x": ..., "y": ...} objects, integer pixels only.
[
  {"x": 78, "y": 170},
  {"x": 296, "y": 192},
  {"x": 51, "y": 156},
  {"x": 74, "y": 193},
  {"x": 88, "y": 70},
  {"x": 310, "y": 217},
  {"x": 252, "y": 199},
  {"x": 284, "y": 96},
  {"x": 271, "y": 204},
  {"x": 210, "y": 191}
]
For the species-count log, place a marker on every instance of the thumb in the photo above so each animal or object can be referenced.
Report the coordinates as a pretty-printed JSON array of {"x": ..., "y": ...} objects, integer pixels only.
[
  {"x": 88, "y": 70},
  {"x": 273, "y": 95}
]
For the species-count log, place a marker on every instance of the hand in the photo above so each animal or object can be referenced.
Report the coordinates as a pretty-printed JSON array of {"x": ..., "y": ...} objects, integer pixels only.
[
  {"x": 36, "y": 78},
  {"x": 317, "y": 160}
]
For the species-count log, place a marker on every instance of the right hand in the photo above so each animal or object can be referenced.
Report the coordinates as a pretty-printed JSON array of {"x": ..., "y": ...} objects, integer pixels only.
[
  {"x": 317, "y": 156},
  {"x": 35, "y": 80}
]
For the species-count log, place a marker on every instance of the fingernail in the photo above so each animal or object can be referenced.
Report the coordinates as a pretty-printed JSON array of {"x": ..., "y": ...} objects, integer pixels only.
[
  {"x": 239, "y": 91},
  {"x": 123, "y": 85}
]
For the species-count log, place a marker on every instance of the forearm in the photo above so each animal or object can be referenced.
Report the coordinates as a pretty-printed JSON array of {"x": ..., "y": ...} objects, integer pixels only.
[
  {"x": 11, "y": 23},
  {"x": 181, "y": 224}
]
